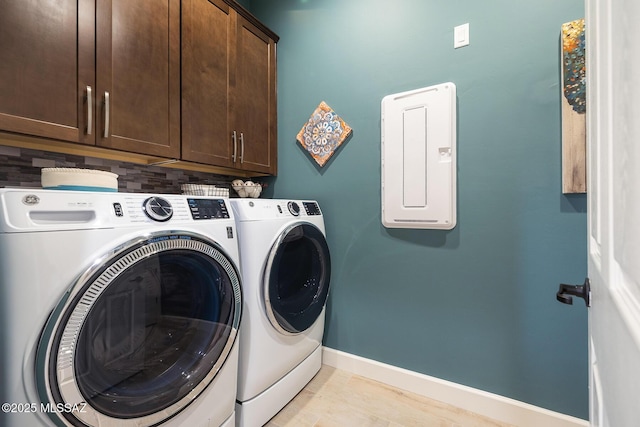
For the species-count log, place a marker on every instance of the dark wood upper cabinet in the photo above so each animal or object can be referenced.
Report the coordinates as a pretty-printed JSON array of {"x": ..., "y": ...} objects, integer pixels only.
[
  {"x": 138, "y": 76},
  {"x": 254, "y": 98},
  {"x": 103, "y": 73},
  {"x": 228, "y": 88},
  {"x": 193, "y": 80},
  {"x": 207, "y": 35},
  {"x": 46, "y": 66}
]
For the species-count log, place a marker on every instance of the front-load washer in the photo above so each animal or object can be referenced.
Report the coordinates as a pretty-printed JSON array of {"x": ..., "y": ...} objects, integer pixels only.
[
  {"x": 286, "y": 269},
  {"x": 117, "y": 309}
]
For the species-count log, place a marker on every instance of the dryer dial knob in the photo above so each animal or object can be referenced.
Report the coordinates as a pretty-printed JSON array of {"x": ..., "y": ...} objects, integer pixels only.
[
  {"x": 157, "y": 208},
  {"x": 293, "y": 208}
]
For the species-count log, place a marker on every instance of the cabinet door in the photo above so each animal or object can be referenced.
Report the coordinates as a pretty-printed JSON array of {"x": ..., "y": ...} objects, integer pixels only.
[
  {"x": 206, "y": 61},
  {"x": 138, "y": 76},
  {"x": 46, "y": 65},
  {"x": 254, "y": 107}
]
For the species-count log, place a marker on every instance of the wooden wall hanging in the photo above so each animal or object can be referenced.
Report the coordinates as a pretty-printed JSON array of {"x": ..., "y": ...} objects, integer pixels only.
[{"x": 574, "y": 165}]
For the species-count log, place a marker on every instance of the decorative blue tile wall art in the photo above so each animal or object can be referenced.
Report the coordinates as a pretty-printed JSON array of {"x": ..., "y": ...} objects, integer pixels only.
[{"x": 323, "y": 133}]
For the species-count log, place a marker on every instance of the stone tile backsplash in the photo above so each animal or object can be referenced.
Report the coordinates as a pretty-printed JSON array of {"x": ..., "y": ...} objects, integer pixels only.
[{"x": 20, "y": 167}]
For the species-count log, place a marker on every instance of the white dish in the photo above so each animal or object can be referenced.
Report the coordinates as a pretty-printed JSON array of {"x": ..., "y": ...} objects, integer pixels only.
[{"x": 78, "y": 179}]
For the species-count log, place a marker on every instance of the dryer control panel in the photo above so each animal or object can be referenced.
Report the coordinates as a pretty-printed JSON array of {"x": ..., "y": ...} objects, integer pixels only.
[
  {"x": 311, "y": 208},
  {"x": 262, "y": 209}
]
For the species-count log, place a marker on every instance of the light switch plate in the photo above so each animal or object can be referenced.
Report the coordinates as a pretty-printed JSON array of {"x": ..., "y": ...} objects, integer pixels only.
[{"x": 461, "y": 35}]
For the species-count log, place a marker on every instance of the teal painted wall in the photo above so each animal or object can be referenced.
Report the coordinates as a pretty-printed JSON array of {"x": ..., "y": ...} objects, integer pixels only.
[
  {"x": 475, "y": 305},
  {"x": 245, "y": 3}
]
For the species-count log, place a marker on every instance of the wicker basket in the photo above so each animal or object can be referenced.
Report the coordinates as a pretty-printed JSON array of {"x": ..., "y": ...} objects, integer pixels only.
[{"x": 204, "y": 190}]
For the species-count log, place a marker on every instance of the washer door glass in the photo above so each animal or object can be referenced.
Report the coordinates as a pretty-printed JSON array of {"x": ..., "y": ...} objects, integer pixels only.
[
  {"x": 297, "y": 278},
  {"x": 148, "y": 331}
]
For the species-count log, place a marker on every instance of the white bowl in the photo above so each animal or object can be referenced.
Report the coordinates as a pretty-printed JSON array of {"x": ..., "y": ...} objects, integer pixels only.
[{"x": 78, "y": 179}]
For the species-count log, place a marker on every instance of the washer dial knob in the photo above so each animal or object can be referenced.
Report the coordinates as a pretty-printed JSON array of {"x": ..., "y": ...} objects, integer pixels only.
[
  {"x": 157, "y": 208},
  {"x": 293, "y": 208}
]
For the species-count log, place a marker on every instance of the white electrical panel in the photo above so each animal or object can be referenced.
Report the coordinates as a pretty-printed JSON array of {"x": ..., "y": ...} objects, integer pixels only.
[{"x": 419, "y": 158}]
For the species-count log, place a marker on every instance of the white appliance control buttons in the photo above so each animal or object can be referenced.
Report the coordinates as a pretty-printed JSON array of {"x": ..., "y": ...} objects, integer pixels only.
[
  {"x": 117, "y": 209},
  {"x": 157, "y": 208}
]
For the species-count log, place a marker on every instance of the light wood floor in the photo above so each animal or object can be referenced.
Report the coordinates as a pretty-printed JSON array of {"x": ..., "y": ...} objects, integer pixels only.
[{"x": 336, "y": 398}]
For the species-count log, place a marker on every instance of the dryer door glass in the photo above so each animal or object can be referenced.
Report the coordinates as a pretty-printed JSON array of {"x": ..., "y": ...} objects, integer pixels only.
[
  {"x": 153, "y": 327},
  {"x": 297, "y": 278}
]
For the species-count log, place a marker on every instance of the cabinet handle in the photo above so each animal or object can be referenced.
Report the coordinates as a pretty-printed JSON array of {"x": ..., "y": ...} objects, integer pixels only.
[
  {"x": 89, "y": 111},
  {"x": 235, "y": 146},
  {"x": 241, "y": 147},
  {"x": 106, "y": 114}
]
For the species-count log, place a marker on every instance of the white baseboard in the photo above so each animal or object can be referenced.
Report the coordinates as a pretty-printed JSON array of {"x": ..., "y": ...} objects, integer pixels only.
[{"x": 481, "y": 402}]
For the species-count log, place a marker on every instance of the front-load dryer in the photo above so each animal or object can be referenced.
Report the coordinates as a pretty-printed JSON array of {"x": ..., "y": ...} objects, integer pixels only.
[
  {"x": 117, "y": 309},
  {"x": 286, "y": 269}
]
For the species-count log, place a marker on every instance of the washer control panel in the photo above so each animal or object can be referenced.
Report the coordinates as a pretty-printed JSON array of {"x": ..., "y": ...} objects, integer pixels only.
[
  {"x": 157, "y": 208},
  {"x": 208, "y": 208}
]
